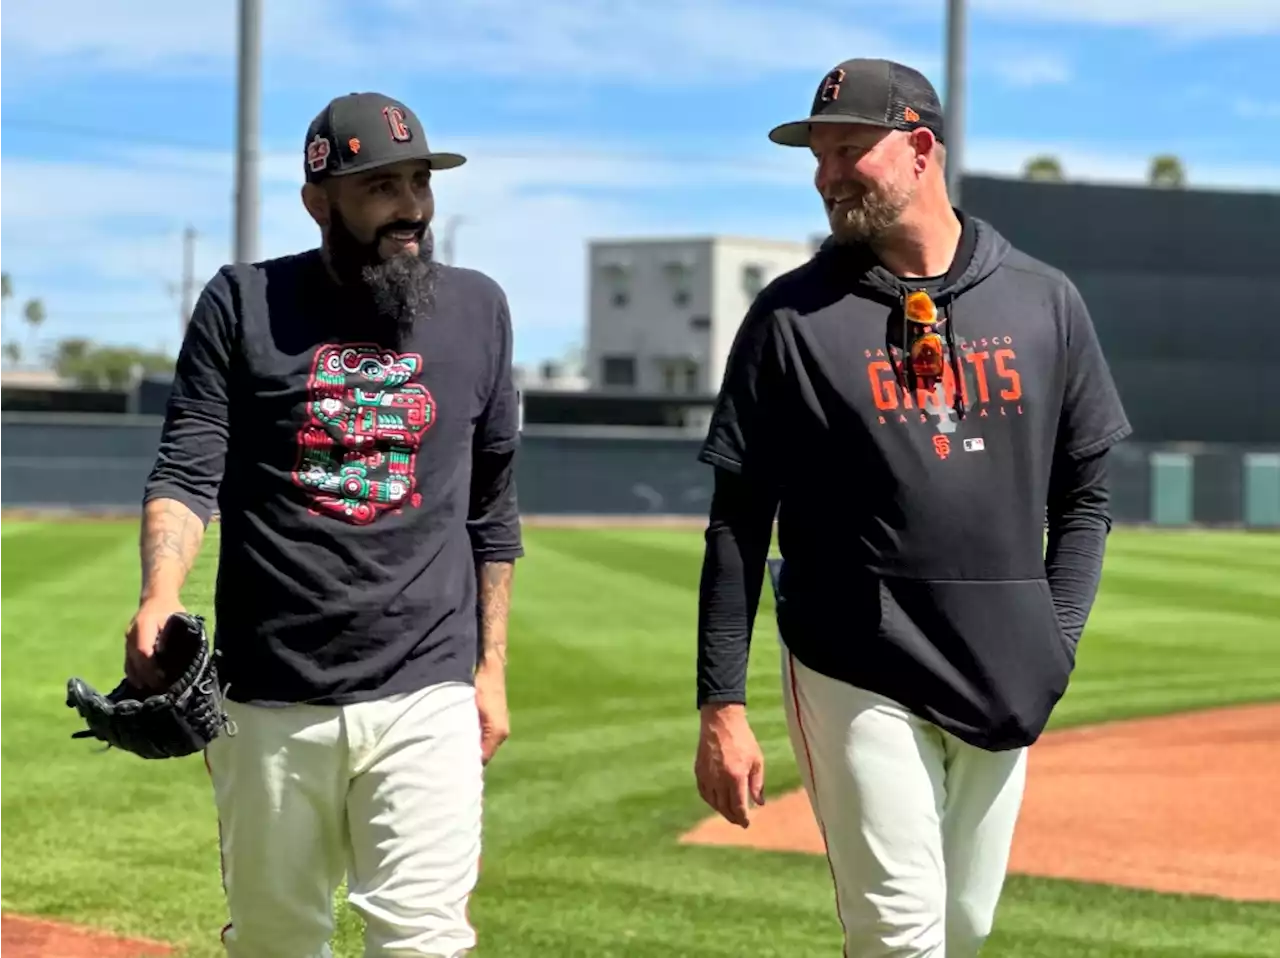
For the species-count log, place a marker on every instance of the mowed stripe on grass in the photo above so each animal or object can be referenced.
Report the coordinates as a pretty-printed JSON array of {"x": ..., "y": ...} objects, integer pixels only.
[{"x": 586, "y": 800}]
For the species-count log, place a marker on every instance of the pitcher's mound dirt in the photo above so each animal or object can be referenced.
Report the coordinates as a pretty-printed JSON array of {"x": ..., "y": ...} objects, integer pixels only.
[
  {"x": 1180, "y": 804},
  {"x": 22, "y": 937}
]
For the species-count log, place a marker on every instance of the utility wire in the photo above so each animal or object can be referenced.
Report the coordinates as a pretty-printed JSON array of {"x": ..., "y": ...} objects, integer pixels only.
[{"x": 112, "y": 137}]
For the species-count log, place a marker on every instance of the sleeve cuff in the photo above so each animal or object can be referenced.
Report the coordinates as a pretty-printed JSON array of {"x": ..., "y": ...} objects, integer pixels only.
[
  {"x": 720, "y": 461},
  {"x": 499, "y": 447},
  {"x": 723, "y": 697},
  {"x": 498, "y": 553},
  {"x": 203, "y": 507}
]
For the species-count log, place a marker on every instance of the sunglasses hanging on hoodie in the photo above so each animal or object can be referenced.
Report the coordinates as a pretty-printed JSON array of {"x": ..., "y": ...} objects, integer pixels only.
[{"x": 921, "y": 365}]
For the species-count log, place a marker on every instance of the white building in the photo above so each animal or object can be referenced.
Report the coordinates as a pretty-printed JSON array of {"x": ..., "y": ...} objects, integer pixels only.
[
  {"x": 551, "y": 374},
  {"x": 662, "y": 313}
]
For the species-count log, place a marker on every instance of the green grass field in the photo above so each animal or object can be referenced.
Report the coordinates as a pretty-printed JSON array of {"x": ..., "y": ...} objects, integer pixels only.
[{"x": 585, "y": 802}]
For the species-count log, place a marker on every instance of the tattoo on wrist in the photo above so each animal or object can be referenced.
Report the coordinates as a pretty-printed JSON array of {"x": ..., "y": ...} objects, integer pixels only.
[
  {"x": 170, "y": 541},
  {"x": 494, "y": 601}
]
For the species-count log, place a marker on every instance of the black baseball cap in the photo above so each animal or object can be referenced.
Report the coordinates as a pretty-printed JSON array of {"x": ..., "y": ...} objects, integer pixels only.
[
  {"x": 869, "y": 91},
  {"x": 362, "y": 131}
]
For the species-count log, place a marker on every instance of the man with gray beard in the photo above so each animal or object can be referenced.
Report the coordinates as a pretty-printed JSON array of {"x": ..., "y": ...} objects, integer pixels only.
[
  {"x": 351, "y": 413},
  {"x": 911, "y": 404}
]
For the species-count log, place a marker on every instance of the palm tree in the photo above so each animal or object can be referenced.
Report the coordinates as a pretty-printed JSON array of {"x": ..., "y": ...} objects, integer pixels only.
[
  {"x": 69, "y": 356},
  {"x": 1167, "y": 170},
  {"x": 6, "y": 294},
  {"x": 1044, "y": 167},
  {"x": 13, "y": 353},
  {"x": 33, "y": 313}
]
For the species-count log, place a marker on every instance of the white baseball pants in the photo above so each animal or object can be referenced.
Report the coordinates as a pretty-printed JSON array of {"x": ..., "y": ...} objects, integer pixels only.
[
  {"x": 387, "y": 793},
  {"x": 918, "y": 825}
]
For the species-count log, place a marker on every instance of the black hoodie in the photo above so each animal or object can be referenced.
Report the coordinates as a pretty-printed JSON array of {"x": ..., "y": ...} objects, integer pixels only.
[{"x": 912, "y": 524}]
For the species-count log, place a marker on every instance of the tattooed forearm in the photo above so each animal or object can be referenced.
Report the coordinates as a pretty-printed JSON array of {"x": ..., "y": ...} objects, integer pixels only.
[
  {"x": 169, "y": 543},
  {"x": 494, "y": 602}
]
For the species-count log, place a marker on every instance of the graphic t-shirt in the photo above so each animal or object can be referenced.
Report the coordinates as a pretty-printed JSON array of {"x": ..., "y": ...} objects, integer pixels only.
[{"x": 343, "y": 471}]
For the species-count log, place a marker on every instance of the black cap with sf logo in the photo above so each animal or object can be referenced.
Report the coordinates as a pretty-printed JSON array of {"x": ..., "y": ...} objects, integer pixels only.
[
  {"x": 872, "y": 92},
  {"x": 362, "y": 131}
]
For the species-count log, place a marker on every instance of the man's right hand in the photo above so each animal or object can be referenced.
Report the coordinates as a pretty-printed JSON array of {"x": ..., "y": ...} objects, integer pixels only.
[
  {"x": 729, "y": 766},
  {"x": 140, "y": 641}
]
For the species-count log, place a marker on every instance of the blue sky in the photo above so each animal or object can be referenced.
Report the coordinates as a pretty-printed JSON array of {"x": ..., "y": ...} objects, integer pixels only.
[{"x": 581, "y": 118}]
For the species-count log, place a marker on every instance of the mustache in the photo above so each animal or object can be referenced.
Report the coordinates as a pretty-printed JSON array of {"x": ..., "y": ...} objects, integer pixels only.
[
  {"x": 853, "y": 190},
  {"x": 416, "y": 227}
]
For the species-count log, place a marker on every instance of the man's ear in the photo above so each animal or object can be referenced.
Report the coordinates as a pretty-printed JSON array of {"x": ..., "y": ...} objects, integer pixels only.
[
  {"x": 927, "y": 148},
  {"x": 315, "y": 199}
]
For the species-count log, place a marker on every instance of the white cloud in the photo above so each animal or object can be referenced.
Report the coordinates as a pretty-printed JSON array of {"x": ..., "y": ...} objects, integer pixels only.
[
  {"x": 1189, "y": 19},
  {"x": 143, "y": 35},
  {"x": 1028, "y": 70},
  {"x": 652, "y": 41},
  {"x": 132, "y": 33},
  {"x": 1258, "y": 109},
  {"x": 529, "y": 208},
  {"x": 666, "y": 41},
  {"x": 101, "y": 241},
  {"x": 530, "y": 204},
  {"x": 1088, "y": 163}
]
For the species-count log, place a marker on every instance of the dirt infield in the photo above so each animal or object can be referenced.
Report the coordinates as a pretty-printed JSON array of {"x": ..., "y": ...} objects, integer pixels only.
[
  {"x": 34, "y": 938},
  {"x": 1181, "y": 804}
]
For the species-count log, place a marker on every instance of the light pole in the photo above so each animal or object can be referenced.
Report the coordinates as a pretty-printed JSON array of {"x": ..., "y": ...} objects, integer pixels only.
[
  {"x": 954, "y": 103},
  {"x": 447, "y": 235},
  {"x": 248, "y": 122}
]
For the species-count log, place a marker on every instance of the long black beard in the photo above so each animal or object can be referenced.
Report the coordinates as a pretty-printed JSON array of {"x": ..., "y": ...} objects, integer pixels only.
[{"x": 397, "y": 294}]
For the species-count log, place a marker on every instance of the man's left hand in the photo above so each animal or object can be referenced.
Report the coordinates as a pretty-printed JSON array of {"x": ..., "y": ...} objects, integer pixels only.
[{"x": 491, "y": 700}]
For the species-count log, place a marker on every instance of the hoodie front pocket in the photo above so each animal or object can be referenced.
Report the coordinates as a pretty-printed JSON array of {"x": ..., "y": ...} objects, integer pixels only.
[{"x": 996, "y": 645}]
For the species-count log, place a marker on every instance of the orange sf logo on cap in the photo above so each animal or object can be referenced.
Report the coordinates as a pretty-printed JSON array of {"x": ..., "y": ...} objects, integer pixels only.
[{"x": 353, "y": 144}]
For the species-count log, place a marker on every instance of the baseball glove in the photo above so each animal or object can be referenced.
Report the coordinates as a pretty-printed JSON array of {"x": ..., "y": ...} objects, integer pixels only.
[{"x": 175, "y": 721}]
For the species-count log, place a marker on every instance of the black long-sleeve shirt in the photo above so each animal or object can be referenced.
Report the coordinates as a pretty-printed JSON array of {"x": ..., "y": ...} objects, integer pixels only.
[
  {"x": 740, "y": 530},
  {"x": 358, "y": 485}
]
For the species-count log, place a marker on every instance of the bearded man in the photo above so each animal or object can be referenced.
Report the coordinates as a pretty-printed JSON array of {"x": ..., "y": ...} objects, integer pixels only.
[
  {"x": 350, "y": 412},
  {"x": 911, "y": 404}
]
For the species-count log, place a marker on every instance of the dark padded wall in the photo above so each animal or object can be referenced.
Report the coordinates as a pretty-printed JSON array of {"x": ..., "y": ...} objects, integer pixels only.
[{"x": 1180, "y": 285}]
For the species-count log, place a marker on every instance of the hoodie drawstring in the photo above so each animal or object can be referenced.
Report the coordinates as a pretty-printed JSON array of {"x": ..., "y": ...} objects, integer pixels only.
[
  {"x": 957, "y": 371},
  {"x": 962, "y": 273},
  {"x": 904, "y": 371}
]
